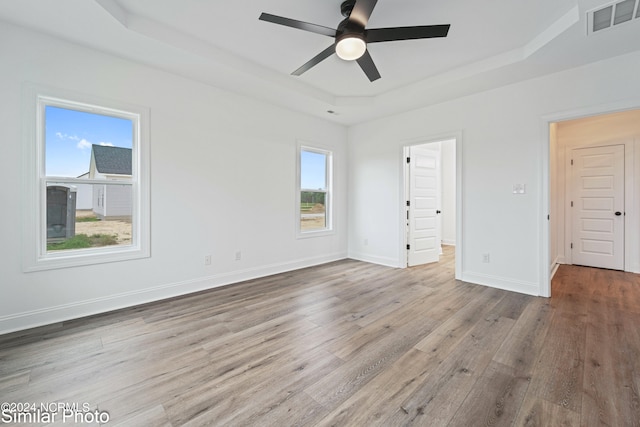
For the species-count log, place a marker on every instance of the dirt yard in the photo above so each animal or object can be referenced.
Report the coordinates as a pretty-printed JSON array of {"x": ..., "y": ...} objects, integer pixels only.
[
  {"x": 121, "y": 229},
  {"x": 313, "y": 223},
  {"x": 313, "y": 219}
]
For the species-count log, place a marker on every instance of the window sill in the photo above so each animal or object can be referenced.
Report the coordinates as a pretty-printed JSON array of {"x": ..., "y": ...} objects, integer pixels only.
[
  {"x": 84, "y": 258},
  {"x": 318, "y": 233}
]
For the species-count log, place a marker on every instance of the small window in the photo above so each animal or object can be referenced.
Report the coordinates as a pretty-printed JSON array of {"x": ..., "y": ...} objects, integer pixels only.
[
  {"x": 90, "y": 198},
  {"x": 314, "y": 213}
]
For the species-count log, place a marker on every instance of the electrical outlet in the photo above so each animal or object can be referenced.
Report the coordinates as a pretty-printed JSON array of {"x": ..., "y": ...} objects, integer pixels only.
[
  {"x": 207, "y": 260},
  {"x": 238, "y": 256},
  {"x": 485, "y": 258}
]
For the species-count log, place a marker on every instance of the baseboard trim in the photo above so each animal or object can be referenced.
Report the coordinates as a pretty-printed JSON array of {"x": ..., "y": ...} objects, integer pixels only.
[
  {"x": 506, "y": 284},
  {"x": 373, "y": 259},
  {"x": 65, "y": 312}
]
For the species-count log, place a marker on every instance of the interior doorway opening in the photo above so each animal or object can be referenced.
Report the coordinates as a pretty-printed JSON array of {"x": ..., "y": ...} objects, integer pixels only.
[
  {"x": 430, "y": 217},
  {"x": 588, "y": 205}
]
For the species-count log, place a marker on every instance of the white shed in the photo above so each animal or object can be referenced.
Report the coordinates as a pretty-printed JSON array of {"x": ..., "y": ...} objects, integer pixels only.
[{"x": 111, "y": 201}]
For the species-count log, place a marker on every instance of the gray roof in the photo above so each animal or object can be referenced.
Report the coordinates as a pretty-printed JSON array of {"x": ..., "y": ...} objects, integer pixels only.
[{"x": 112, "y": 160}]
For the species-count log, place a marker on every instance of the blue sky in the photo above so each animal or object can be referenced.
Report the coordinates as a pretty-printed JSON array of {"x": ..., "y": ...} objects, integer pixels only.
[
  {"x": 69, "y": 135},
  {"x": 313, "y": 170}
]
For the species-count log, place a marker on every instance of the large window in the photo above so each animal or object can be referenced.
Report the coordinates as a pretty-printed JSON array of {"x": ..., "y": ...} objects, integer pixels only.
[
  {"x": 314, "y": 207},
  {"x": 88, "y": 201}
]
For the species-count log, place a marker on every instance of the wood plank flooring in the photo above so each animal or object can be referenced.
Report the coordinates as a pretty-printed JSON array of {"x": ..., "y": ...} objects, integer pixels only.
[{"x": 349, "y": 344}]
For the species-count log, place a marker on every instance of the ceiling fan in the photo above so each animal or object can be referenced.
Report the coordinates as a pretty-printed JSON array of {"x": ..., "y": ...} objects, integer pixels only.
[{"x": 351, "y": 36}]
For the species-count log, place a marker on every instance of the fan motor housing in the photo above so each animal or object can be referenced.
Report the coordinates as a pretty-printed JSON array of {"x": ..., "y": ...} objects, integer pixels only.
[
  {"x": 346, "y": 7},
  {"x": 349, "y": 27}
]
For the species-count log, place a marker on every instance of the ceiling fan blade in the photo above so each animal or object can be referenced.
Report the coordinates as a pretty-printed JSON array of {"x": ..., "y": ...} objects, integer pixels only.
[
  {"x": 362, "y": 11},
  {"x": 366, "y": 63},
  {"x": 293, "y": 23},
  {"x": 315, "y": 60},
  {"x": 406, "y": 33}
]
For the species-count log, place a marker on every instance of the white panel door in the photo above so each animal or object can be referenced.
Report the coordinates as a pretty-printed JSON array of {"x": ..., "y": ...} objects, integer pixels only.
[
  {"x": 598, "y": 207},
  {"x": 424, "y": 177}
]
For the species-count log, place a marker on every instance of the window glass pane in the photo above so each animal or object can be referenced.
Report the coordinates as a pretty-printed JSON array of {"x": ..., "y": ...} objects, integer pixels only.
[
  {"x": 313, "y": 170},
  {"x": 83, "y": 216},
  {"x": 313, "y": 214},
  {"x": 71, "y": 137},
  {"x": 315, "y": 198},
  {"x": 88, "y": 146}
]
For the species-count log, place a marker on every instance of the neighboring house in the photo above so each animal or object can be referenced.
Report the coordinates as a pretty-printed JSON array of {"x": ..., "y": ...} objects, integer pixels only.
[
  {"x": 111, "y": 163},
  {"x": 84, "y": 194}
]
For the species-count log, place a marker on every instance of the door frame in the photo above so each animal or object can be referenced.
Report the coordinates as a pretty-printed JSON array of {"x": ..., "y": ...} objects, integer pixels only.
[
  {"x": 404, "y": 188},
  {"x": 546, "y": 121}
]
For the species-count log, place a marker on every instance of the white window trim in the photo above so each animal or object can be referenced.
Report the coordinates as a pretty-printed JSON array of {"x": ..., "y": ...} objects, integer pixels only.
[
  {"x": 35, "y": 256},
  {"x": 329, "y": 229}
]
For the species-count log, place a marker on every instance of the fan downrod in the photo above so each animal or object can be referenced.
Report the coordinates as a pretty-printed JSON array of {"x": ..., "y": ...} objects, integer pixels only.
[{"x": 346, "y": 7}]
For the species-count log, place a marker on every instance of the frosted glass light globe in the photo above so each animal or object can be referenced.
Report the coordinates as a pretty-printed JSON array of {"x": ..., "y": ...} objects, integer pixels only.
[{"x": 350, "y": 48}]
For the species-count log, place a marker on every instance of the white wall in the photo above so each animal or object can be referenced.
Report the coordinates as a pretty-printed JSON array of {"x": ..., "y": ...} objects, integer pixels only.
[
  {"x": 448, "y": 168},
  {"x": 84, "y": 198},
  {"x": 118, "y": 201},
  {"x": 222, "y": 180},
  {"x": 504, "y": 135}
]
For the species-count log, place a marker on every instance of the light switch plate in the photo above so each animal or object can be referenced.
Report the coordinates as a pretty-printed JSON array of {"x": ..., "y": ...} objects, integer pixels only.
[{"x": 519, "y": 188}]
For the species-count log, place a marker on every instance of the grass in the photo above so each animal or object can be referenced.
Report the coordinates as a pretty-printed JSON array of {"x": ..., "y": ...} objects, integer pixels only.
[{"x": 82, "y": 241}]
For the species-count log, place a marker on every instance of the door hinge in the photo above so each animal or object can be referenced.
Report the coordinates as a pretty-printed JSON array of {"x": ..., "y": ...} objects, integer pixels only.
[
  {"x": 548, "y": 218},
  {"x": 572, "y": 203},
  {"x": 571, "y": 162},
  {"x": 408, "y": 203},
  {"x": 572, "y": 246},
  {"x": 408, "y": 159},
  {"x": 408, "y": 247}
]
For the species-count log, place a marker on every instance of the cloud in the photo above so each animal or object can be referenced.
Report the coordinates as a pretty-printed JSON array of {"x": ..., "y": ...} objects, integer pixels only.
[
  {"x": 66, "y": 137},
  {"x": 106, "y": 144},
  {"x": 84, "y": 144}
]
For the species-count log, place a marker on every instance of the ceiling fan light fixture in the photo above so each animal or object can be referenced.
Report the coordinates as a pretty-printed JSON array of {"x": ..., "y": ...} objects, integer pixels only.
[
  {"x": 350, "y": 47},
  {"x": 352, "y": 35}
]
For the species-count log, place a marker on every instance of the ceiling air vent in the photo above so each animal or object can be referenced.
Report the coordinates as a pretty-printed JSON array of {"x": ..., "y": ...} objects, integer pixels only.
[{"x": 612, "y": 14}]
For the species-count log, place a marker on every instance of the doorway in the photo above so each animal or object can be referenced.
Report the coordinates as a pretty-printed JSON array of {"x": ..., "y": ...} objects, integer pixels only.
[
  {"x": 430, "y": 194},
  {"x": 589, "y": 236}
]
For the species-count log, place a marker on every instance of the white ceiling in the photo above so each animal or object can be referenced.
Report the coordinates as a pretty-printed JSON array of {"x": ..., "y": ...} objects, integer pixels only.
[{"x": 490, "y": 43}]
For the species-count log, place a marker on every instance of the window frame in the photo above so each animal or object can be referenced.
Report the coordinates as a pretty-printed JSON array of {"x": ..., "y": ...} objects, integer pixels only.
[
  {"x": 35, "y": 254},
  {"x": 329, "y": 227}
]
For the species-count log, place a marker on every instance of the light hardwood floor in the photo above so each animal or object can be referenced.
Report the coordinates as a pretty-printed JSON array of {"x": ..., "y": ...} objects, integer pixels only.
[{"x": 349, "y": 344}]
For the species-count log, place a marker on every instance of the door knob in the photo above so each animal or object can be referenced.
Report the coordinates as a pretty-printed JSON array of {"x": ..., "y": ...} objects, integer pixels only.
[
  {"x": 618, "y": 213},
  {"x": 438, "y": 212}
]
